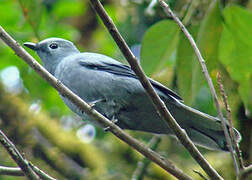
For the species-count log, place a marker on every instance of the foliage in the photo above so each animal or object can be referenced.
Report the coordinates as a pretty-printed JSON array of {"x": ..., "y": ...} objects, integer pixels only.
[{"x": 222, "y": 32}]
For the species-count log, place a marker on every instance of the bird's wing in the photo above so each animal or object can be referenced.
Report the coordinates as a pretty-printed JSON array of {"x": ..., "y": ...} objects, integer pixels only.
[{"x": 124, "y": 70}]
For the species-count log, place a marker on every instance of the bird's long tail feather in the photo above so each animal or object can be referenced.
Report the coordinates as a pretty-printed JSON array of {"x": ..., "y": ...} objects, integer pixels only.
[{"x": 203, "y": 129}]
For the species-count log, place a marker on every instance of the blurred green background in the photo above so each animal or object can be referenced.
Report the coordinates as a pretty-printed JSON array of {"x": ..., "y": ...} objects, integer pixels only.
[{"x": 34, "y": 117}]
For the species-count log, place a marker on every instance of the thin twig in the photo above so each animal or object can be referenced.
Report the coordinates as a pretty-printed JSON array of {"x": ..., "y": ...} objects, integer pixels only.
[
  {"x": 17, "y": 171},
  {"x": 96, "y": 116},
  {"x": 17, "y": 157},
  {"x": 191, "y": 9},
  {"x": 27, "y": 15},
  {"x": 144, "y": 163},
  {"x": 244, "y": 173},
  {"x": 158, "y": 103},
  {"x": 11, "y": 171},
  {"x": 229, "y": 117},
  {"x": 200, "y": 174},
  {"x": 41, "y": 173},
  {"x": 207, "y": 76}
]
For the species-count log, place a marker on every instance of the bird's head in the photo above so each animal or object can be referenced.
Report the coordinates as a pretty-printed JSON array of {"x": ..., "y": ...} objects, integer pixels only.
[{"x": 52, "y": 50}]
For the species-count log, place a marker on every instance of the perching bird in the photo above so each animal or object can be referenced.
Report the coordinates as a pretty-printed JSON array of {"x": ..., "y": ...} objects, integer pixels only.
[{"x": 115, "y": 91}]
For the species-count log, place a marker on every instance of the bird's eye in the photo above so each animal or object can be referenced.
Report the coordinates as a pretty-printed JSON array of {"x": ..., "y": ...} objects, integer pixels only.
[{"x": 53, "y": 46}]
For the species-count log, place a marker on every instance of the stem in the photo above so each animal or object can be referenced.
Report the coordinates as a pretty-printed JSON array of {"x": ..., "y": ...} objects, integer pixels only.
[
  {"x": 158, "y": 103},
  {"x": 207, "y": 76},
  {"x": 11, "y": 171},
  {"x": 16, "y": 171},
  {"x": 244, "y": 173},
  {"x": 231, "y": 130}
]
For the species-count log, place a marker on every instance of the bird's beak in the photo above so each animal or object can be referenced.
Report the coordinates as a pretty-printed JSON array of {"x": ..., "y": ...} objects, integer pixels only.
[{"x": 31, "y": 45}]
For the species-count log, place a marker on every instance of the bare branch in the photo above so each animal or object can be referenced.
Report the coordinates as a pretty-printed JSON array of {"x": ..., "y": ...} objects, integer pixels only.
[
  {"x": 17, "y": 157},
  {"x": 231, "y": 130},
  {"x": 41, "y": 173},
  {"x": 158, "y": 103},
  {"x": 201, "y": 175},
  {"x": 96, "y": 116},
  {"x": 244, "y": 173},
  {"x": 207, "y": 76},
  {"x": 16, "y": 171},
  {"x": 11, "y": 171}
]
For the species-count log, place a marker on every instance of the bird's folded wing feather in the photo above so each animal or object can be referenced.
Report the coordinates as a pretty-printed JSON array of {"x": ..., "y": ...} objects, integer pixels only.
[{"x": 124, "y": 70}]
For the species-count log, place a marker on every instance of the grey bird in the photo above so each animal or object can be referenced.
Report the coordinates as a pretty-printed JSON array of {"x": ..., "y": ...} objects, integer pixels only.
[{"x": 114, "y": 90}]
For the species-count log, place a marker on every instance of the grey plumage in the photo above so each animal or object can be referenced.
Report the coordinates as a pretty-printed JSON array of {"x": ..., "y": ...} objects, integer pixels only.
[{"x": 117, "y": 94}]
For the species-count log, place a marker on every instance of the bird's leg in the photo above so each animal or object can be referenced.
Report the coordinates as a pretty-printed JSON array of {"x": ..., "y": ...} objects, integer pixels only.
[
  {"x": 113, "y": 120},
  {"x": 93, "y": 103}
]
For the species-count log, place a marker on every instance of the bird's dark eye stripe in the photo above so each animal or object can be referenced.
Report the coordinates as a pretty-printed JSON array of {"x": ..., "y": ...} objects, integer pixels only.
[{"x": 53, "y": 46}]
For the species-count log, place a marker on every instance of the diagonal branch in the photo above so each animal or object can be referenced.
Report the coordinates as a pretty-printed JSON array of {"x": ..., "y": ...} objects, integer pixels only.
[
  {"x": 96, "y": 116},
  {"x": 158, "y": 103},
  {"x": 41, "y": 173},
  {"x": 168, "y": 10}
]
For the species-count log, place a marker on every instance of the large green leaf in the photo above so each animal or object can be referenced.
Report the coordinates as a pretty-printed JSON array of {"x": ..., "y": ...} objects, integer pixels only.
[
  {"x": 66, "y": 8},
  {"x": 184, "y": 65},
  {"x": 207, "y": 41},
  {"x": 158, "y": 46},
  {"x": 235, "y": 50}
]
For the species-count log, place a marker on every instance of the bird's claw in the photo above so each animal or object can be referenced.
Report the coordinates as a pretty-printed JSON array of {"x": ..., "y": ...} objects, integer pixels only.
[
  {"x": 113, "y": 120},
  {"x": 106, "y": 129},
  {"x": 93, "y": 103}
]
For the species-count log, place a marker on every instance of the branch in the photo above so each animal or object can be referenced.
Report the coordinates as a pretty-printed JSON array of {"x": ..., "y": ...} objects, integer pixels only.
[
  {"x": 144, "y": 163},
  {"x": 244, "y": 173},
  {"x": 16, "y": 171},
  {"x": 158, "y": 103},
  {"x": 201, "y": 175},
  {"x": 231, "y": 130},
  {"x": 11, "y": 171},
  {"x": 96, "y": 116},
  {"x": 27, "y": 14},
  {"x": 17, "y": 157},
  {"x": 41, "y": 173},
  {"x": 207, "y": 76}
]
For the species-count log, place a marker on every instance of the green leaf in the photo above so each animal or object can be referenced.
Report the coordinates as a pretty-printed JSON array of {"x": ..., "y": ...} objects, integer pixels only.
[
  {"x": 184, "y": 65},
  {"x": 66, "y": 8},
  {"x": 208, "y": 42},
  {"x": 158, "y": 46},
  {"x": 235, "y": 50}
]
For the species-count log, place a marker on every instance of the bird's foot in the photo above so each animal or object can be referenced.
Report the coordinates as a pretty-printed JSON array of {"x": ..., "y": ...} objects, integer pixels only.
[
  {"x": 93, "y": 103},
  {"x": 113, "y": 120},
  {"x": 106, "y": 129}
]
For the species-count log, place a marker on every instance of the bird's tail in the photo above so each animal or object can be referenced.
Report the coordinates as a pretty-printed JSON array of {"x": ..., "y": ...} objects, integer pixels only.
[{"x": 203, "y": 129}]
